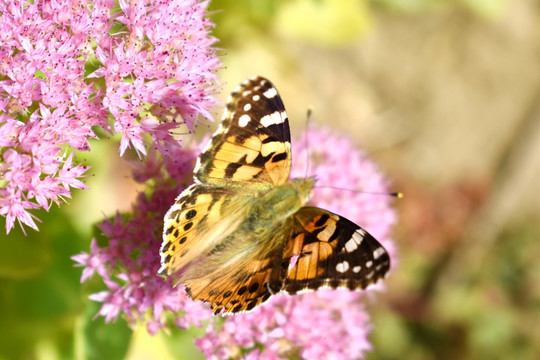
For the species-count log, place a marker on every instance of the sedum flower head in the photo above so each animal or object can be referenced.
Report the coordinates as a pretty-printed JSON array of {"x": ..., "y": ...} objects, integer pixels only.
[
  {"x": 68, "y": 68},
  {"x": 129, "y": 262},
  {"x": 326, "y": 324}
]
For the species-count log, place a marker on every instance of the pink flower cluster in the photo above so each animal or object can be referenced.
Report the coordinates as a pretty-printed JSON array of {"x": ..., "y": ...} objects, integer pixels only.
[
  {"x": 129, "y": 263},
  {"x": 69, "y": 67},
  {"x": 324, "y": 324}
]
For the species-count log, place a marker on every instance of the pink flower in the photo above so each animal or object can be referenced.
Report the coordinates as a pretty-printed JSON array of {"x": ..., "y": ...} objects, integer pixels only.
[
  {"x": 326, "y": 324},
  {"x": 96, "y": 261},
  {"x": 128, "y": 265},
  {"x": 155, "y": 70}
]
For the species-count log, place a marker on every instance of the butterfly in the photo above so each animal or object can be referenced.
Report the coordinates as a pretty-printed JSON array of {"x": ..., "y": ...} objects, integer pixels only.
[{"x": 244, "y": 232}]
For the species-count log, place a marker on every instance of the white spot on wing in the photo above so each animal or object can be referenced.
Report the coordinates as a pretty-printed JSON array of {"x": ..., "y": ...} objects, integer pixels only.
[
  {"x": 247, "y": 107},
  {"x": 355, "y": 240},
  {"x": 342, "y": 267},
  {"x": 357, "y": 269},
  {"x": 369, "y": 264},
  {"x": 274, "y": 118},
  {"x": 270, "y": 93},
  {"x": 351, "y": 245},
  {"x": 256, "y": 97},
  {"x": 244, "y": 120},
  {"x": 378, "y": 253},
  {"x": 360, "y": 233}
]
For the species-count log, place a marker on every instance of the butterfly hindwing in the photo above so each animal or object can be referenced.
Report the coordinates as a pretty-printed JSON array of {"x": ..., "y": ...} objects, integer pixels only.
[
  {"x": 242, "y": 273},
  {"x": 251, "y": 147},
  {"x": 331, "y": 251},
  {"x": 241, "y": 291}
]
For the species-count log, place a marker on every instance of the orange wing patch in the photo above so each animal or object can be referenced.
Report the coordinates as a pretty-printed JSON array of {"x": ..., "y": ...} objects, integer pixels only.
[
  {"x": 333, "y": 252},
  {"x": 238, "y": 291},
  {"x": 251, "y": 148}
]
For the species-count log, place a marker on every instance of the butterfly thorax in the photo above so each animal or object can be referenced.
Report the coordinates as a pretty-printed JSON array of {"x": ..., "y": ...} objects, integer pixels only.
[{"x": 280, "y": 203}]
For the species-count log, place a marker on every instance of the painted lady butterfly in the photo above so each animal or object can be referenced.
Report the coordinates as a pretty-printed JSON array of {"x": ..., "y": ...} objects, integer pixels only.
[{"x": 242, "y": 232}]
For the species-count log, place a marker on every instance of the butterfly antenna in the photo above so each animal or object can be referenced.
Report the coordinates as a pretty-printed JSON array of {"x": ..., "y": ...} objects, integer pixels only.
[
  {"x": 307, "y": 140},
  {"x": 393, "y": 194}
]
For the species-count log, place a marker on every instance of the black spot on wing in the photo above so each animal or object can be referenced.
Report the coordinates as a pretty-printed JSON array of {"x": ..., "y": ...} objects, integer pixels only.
[
  {"x": 269, "y": 140},
  {"x": 322, "y": 220},
  {"x": 260, "y": 160},
  {"x": 253, "y": 287},
  {"x": 242, "y": 290},
  {"x": 231, "y": 168},
  {"x": 281, "y": 130},
  {"x": 191, "y": 214},
  {"x": 166, "y": 247},
  {"x": 279, "y": 157}
]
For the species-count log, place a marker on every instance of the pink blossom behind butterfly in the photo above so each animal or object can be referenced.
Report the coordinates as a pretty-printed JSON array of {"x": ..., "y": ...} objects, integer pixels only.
[
  {"x": 307, "y": 325},
  {"x": 326, "y": 324}
]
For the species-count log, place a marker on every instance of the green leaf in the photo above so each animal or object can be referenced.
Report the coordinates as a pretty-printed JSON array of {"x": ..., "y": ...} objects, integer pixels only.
[{"x": 102, "y": 340}]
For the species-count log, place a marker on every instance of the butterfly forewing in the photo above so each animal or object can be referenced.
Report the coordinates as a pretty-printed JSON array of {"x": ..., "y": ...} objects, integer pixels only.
[
  {"x": 331, "y": 251},
  {"x": 251, "y": 148},
  {"x": 198, "y": 220},
  {"x": 249, "y": 152}
]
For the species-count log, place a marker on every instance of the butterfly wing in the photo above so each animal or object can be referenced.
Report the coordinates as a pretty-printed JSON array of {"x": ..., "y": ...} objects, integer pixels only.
[
  {"x": 240, "y": 273},
  {"x": 200, "y": 217},
  {"x": 333, "y": 252},
  {"x": 250, "y": 152},
  {"x": 241, "y": 290},
  {"x": 251, "y": 148}
]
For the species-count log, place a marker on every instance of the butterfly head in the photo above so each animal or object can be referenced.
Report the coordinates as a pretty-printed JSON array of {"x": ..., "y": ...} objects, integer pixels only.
[{"x": 304, "y": 188}]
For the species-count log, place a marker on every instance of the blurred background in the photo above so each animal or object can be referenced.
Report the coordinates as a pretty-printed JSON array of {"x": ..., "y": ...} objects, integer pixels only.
[{"x": 443, "y": 95}]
